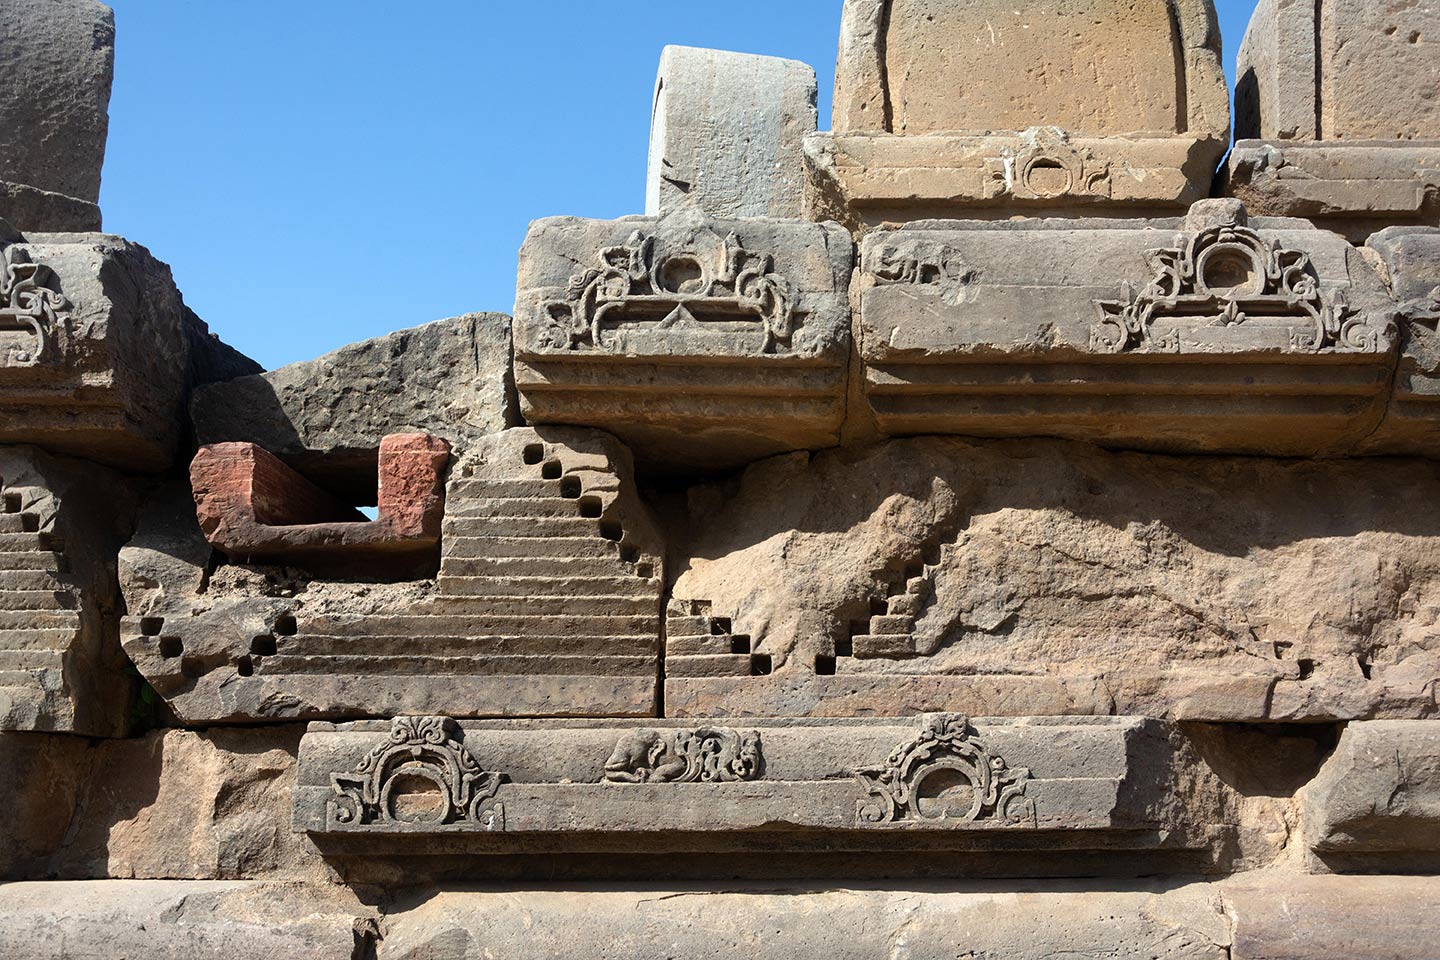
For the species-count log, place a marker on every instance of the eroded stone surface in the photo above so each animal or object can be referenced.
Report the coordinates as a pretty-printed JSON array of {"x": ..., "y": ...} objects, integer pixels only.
[
  {"x": 325, "y": 417},
  {"x": 547, "y": 603},
  {"x": 1410, "y": 258},
  {"x": 1035, "y": 578},
  {"x": 56, "y": 71},
  {"x": 726, "y": 134},
  {"x": 701, "y": 343}
]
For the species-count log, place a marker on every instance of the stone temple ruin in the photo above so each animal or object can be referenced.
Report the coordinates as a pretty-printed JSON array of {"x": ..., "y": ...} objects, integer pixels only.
[{"x": 1000, "y": 527}]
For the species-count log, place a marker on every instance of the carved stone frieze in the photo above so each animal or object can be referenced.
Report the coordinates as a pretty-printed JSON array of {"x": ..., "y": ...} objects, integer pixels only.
[
  {"x": 706, "y": 755},
  {"x": 30, "y": 308},
  {"x": 920, "y": 262},
  {"x": 423, "y": 774},
  {"x": 945, "y": 774}
]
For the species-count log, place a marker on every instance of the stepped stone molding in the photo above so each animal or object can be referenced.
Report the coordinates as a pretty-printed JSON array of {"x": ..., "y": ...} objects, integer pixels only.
[
  {"x": 1212, "y": 334},
  {"x": 55, "y": 80},
  {"x": 1336, "y": 114},
  {"x": 726, "y": 133},
  {"x": 61, "y": 668},
  {"x": 255, "y": 509},
  {"x": 918, "y": 134},
  {"x": 98, "y": 351},
  {"x": 547, "y": 603},
  {"x": 1085, "y": 784},
  {"x": 701, "y": 343}
]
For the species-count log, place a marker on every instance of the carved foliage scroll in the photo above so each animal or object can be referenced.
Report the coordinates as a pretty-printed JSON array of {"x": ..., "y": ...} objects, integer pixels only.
[
  {"x": 689, "y": 280},
  {"x": 943, "y": 775},
  {"x": 421, "y": 775},
  {"x": 30, "y": 308},
  {"x": 1228, "y": 277},
  {"x": 922, "y": 263},
  {"x": 707, "y": 755}
]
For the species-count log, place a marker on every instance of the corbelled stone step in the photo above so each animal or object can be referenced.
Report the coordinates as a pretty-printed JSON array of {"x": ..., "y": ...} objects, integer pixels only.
[
  {"x": 18, "y": 523},
  {"x": 37, "y": 638},
  {"x": 606, "y": 566},
  {"x": 892, "y": 646},
  {"x": 12, "y": 619},
  {"x": 31, "y": 580},
  {"x": 553, "y": 506},
  {"x": 15, "y": 660},
  {"x": 357, "y": 644},
  {"x": 546, "y": 527},
  {"x": 706, "y": 645},
  {"x": 409, "y": 664},
  {"x": 478, "y": 489},
  {"x": 892, "y": 625},
  {"x": 718, "y": 665},
  {"x": 27, "y": 542},
  {"x": 433, "y": 621},
  {"x": 552, "y": 606},
  {"x": 32, "y": 560},
  {"x": 502, "y": 546},
  {"x": 548, "y": 587},
  {"x": 36, "y": 600}
]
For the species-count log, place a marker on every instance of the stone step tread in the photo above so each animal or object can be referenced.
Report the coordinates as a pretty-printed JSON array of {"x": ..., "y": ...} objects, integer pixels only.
[
  {"x": 478, "y": 488},
  {"x": 31, "y": 580},
  {"x": 502, "y": 546},
  {"x": 27, "y": 543},
  {"x": 555, "y": 506},
  {"x": 18, "y": 522},
  {"x": 712, "y": 665},
  {"x": 892, "y": 625},
  {"x": 43, "y": 600},
  {"x": 885, "y": 646},
  {"x": 409, "y": 664},
  {"x": 15, "y": 660},
  {"x": 608, "y": 566},
  {"x": 520, "y": 527},
  {"x": 447, "y": 624},
  {"x": 39, "y": 619},
  {"x": 37, "y": 638},
  {"x": 19, "y": 680},
  {"x": 461, "y": 645},
  {"x": 549, "y": 606},
  {"x": 482, "y": 587},
  {"x": 32, "y": 560}
]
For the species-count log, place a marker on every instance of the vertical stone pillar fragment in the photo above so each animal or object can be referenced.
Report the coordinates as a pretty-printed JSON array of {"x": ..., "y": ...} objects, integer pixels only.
[{"x": 727, "y": 134}]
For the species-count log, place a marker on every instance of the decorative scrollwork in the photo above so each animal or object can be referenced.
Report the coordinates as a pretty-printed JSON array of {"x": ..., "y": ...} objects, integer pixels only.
[
  {"x": 29, "y": 306},
  {"x": 944, "y": 775},
  {"x": 674, "y": 279},
  {"x": 927, "y": 263},
  {"x": 707, "y": 755},
  {"x": 1227, "y": 276},
  {"x": 421, "y": 775}
]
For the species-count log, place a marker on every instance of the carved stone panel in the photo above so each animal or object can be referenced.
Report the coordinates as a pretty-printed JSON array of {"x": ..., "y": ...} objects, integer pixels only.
[
  {"x": 702, "y": 343},
  {"x": 1208, "y": 334},
  {"x": 1411, "y": 258},
  {"x": 547, "y": 603}
]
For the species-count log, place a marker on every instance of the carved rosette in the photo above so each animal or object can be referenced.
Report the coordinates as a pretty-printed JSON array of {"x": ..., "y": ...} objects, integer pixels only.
[
  {"x": 706, "y": 755},
  {"x": 692, "y": 281},
  {"x": 944, "y": 776},
  {"x": 921, "y": 263},
  {"x": 30, "y": 310},
  {"x": 1224, "y": 277},
  {"x": 421, "y": 775}
]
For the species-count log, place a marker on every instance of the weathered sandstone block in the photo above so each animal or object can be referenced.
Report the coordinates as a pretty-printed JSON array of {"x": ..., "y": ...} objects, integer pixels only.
[
  {"x": 726, "y": 134},
  {"x": 253, "y": 508},
  {"x": 547, "y": 603},
  {"x": 939, "y": 782},
  {"x": 1213, "y": 333},
  {"x": 1024, "y": 578},
  {"x": 325, "y": 417},
  {"x": 57, "y": 60},
  {"x": 1338, "y": 114},
  {"x": 701, "y": 343},
  {"x": 1375, "y": 807},
  {"x": 97, "y": 349},
  {"x": 941, "y": 106},
  {"x": 61, "y": 667},
  {"x": 1411, "y": 260}
]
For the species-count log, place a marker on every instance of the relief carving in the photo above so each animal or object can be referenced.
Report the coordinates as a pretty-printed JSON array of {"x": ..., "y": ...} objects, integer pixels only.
[
  {"x": 422, "y": 775},
  {"x": 692, "y": 281},
  {"x": 1425, "y": 310},
  {"x": 30, "y": 309},
  {"x": 926, "y": 263},
  {"x": 1049, "y": 167},
  {"x": 1225, "y": 278},
  {"x": 944, "y": 775},
  {"x": 706, "y": 755}
]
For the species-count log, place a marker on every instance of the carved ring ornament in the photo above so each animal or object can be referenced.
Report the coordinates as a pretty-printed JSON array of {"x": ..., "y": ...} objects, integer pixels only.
[
  {"x": 707, "y": 755},
  {"x": 30, "y": 308},
  {"x": 1228, "y": 276},
  {"x": 944, "y": 775},
  {"x": 423, "y": 775}
]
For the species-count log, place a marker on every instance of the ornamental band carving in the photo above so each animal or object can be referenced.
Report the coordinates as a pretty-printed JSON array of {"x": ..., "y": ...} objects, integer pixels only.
[
  {"x": 926, "y": 263},
  {"x": 944, "y": 775},
  {"x": 706, "y": 755},
  {"x": 422, "y": 775},
  {"x": 30, "y": 308}
]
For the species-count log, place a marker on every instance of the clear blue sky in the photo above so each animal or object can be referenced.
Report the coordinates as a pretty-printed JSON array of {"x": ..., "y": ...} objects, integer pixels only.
[{"x": 322, "y": 171}]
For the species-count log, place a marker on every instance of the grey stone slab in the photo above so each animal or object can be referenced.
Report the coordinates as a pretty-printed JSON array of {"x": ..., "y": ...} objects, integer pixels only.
[
  {"x": 702, "y": 343},
  {"x": 1211, "y": 334},
  {"x": 55, "y": 74},
  {"x": 1411, "y": 260},
  {"x": 726, "y": 134},
  {"x": 326, "y": 417},
  {"x": 1375, "y": 807}
]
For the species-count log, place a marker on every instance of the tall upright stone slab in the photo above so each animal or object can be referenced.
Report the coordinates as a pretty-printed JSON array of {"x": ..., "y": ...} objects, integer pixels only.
[
  {"x": 1016, "y": 108},
  {"x": 1337, "y": 115},
  {"x": 726, "y": 134},
  {"x": 57, "y": 59}
]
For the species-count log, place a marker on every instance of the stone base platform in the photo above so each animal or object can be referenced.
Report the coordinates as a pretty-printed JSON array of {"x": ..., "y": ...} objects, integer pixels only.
[{"x": 1256, "y": 917}]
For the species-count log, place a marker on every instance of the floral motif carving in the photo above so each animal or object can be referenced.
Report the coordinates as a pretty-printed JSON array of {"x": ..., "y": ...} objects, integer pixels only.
[
  {"x": 688, "y": 280},
  {"x": 1047, "y": 167},
  {"x": 30, "y": 305},
  {"x": 421, "y": 775},
  {"x": 1227, "y": 276},
  {"x": 706, "y": 755},
  {"x": 915, "y": 262},
  {"x": 945, "y": 775}
]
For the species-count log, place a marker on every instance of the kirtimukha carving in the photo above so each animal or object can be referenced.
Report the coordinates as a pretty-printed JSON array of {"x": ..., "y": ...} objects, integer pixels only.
[
  {"x": 422, "y": 775},
  {"x": 706, "y": 755},
  {"x": 945, "y": 774},
  {"x": 31, "y": 306}
]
